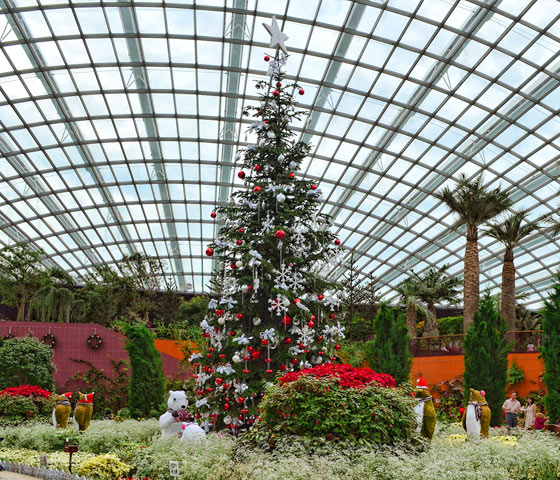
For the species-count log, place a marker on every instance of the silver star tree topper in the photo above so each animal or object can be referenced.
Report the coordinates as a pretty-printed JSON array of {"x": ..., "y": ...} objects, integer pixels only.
[{"x": 277, "y": 37}]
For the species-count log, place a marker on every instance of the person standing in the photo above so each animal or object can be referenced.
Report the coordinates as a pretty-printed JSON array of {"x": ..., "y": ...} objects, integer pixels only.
[
  {"x": 512, "y": 408},
  {"x": 530, "y": 413}
]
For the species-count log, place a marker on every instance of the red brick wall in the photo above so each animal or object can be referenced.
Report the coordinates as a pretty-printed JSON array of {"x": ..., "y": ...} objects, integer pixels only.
[{"x": 71, "y": 342}]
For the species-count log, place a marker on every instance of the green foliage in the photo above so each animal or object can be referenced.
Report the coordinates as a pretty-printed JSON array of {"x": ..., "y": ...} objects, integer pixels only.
[
  {"x": 515, "y": 374},
  {"x": 450, "y": 325},
  {"x": 26, "y": 361},
  {"x": 551, "y": 351},
  {"x": 111, "y": 391},
  {"x": 187, "y": 324},
  {"x": 103, "y": 467},
  {"x": 353, "y": 353},
  {"x": 17, "y": 409},
  {"x": 451, "y": 396},
  {"x": 147, "y": 381},
  {"x": 486, "y": 358},
  {"x": 389, "y": 351},
  {"x": 20, "y": 276},
  {"x": 321, "y": 407}
]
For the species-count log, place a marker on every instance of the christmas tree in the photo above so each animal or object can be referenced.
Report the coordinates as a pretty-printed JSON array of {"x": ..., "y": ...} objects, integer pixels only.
[
  {"x": 274, "y": 312},
  {"x": 551, "y": 351}
]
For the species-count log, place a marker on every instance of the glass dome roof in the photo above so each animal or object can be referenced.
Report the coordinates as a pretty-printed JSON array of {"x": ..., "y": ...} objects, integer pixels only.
[{"x": 119, "y": 122}]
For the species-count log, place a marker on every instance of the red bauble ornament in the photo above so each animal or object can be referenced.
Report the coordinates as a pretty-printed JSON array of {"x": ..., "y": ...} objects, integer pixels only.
[
  {"x": 267, "y": 121},
  {"x": 321, "y": 353},
  {"x": 278, "y": 84},
  {"x": 232, "y": 265},
  {"x": 312, "y": 317},
  {"x": 268, "y": 360},
  {"x": 264, "y": 341},
  {"x": 292, "y": 175},
  {"x": 213, "y": 214},
  {"x": 320, "y": 297},
  {"x": 286, "y": 320},
  {"x": 297, "y": 300},
  {"x": 337, "y": 241},
  {"x": 310, "y": 324},
  {"x": 241, "y": 174},
  {"x": 288, "y": 340},
  {"x": 301, "y": 91},
  {"x": 209, "y": 251},
  {"x": 337, "y": 347},
  {"x": 320, "y": 338},
  {"x": 268, "y": 371},
  {"x": 241, "y": 230},
  {"x": 280, "y": 234},
  {"x": 246, "y": 371},
  {"x": 301, "y": 345},
  {"x": 294, "y": 361},
  {"x": 239, "y": 316},
  {"x": 313, "y": 187},
  {"x": 257, "y": 189},
  {"x": 249, "y": 287},
  {"x": 282, "y": 367},
  {"x": 209, "y": 355},
  {"x": 244, "y": 411},
  {"x": 220, "y": 312},
  {"x": 240, "y": 400},
  {"x": 227, "y": 406},
  {"x": 266, "y": 58},
  {"x": 219, "y": 381},
  {"x": 232, "y": 333},
  {"x": 239, "y": 242},
  {"x": 276, "y": 93},
  {"x": 331, "y": 316},
  {"x": 258, "y": 168}
]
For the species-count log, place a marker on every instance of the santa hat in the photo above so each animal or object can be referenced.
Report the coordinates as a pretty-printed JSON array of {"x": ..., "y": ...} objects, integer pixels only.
[
  {"x": 67, "y": 394},
  {"x": 89, "y": 397},
  {"x": 421, "y": 383}
]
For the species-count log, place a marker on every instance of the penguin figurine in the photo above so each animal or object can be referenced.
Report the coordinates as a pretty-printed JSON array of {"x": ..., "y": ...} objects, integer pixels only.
[
  {"x": 62, "y": 410},
  {"x": 476, "y": 418},
  {"x": 425, "y": 411}
]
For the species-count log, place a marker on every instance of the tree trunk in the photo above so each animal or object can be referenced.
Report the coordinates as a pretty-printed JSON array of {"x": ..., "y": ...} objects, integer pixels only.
[
  {"x": 508, "y": 291},
  {"x": 471, "y": 274},
  {"x": 411, "y": 320},
  {"x": 430, "y": 325},
  {"x": 21, "y": 312}
]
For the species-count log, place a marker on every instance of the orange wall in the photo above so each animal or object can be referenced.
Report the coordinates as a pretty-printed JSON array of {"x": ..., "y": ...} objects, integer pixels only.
[
  {"x": 438, "y": 369},
  {"x": 173, "y": 348}
]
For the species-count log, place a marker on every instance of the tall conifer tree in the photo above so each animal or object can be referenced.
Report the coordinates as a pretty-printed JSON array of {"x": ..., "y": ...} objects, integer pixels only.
[
  {"x": 486, "y": 360},
  {"x": 551, "y": 351},
  {"x": 389, "y": 351}
]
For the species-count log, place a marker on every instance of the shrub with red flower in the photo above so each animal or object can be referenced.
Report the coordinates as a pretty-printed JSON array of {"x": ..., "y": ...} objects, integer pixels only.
[
  {"x": 26, "y": 391},
  {"x": 346, "y": 375}
]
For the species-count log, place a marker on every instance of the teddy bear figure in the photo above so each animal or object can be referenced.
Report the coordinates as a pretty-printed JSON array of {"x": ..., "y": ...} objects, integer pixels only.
[
  {"x": 425, "y": 411},
  {"x": 169, "y": 422},
  {"x": 83, "y": 411},
  {"x": 476, "y": 418},
  {"x": 61, "y": 411}
]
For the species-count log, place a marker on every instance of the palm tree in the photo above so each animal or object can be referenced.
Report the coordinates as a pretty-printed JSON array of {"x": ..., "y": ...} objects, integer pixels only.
[
  {"x": 510, "y": 232},
  {"x": 410, "y": 290},
  {"x": 436, "y": 287},
  {"x": 475, "y": 205}
]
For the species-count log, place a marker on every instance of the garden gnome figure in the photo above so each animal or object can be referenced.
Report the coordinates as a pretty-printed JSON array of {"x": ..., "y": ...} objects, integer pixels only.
[
  {"x": 425, "y": 411},
  {"x": 62, "y": 410},
  {"x": 83, "y": 411},
  {"x": 476, "y": 419}
]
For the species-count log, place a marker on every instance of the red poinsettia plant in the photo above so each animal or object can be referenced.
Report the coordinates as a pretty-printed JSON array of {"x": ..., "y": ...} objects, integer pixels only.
[
  {"x": 26, "y": 391},
  {"x": 346, "y": 375}
]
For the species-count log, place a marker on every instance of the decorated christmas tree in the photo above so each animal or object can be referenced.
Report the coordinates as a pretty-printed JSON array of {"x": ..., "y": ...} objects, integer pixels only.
[{"x": 274, "y": 311}]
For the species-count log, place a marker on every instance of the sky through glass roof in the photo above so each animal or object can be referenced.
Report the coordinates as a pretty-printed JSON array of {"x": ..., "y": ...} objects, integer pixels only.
[{"x": 119, "y": 124}]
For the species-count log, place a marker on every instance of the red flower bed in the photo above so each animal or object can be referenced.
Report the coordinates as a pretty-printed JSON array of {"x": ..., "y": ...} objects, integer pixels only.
[
  {"x": 26, "y": 391},
  {"x": 347, "y": 375}
]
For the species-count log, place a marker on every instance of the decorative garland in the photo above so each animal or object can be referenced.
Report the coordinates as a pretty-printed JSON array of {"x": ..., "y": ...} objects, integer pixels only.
[
  {"x": 94, "y": 341},
  {"x": 49, "y": 339}
]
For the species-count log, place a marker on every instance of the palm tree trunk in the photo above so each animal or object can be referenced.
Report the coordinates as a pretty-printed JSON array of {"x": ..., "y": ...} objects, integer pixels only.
[
  {"x": 411, "y": 320},
  {"x": 508, "y": 291},
  {"x": 471, "y": 274},
  {"x": 431, "y": 326}
]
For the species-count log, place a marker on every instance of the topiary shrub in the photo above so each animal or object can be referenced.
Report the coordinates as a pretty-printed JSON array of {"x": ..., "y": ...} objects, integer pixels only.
[
  {"x": 26, "y": 361},
  {"x": 450, "y": 325},
  {"x": 25, "y": 402},
  {"x": 335, "y": 403}
]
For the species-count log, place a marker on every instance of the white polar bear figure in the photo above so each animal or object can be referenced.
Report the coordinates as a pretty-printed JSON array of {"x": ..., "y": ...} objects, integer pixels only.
[
  {"x": 192, "y": 432},
  {"x": 168, "y": 422}
]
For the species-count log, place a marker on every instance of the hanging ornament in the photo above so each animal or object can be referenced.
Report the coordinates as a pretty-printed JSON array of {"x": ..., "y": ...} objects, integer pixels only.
[
  {"x": 292, "y": 175},
  {"x": 236, "y": 358},
  {"x": 337, "y": 242},
  {"x": 221, "y": 321},
  {"x": 270, "y": 134},
  {"x": 241, "y": 174},
  {"x": 209, "y": 251},
  {"x": 293, "y": 165},
  {"x": 258, "y": 168},
  {"x": 301, "y": 91},
  {"x": 239, "y": 264},
  {"x": 337, "y": 347},
  {"x": 320, "y": 297},
  {"x": 245, "y": 288},
  {"x": 266, "y": 58},
  {"x": 256, "y": 321},
  {"x": 278, "y": 84},
  {"x": 297, "y": 300},
  {"x": 280, "y": 234},
  {"x": 331, "y": 316},
  {"x": 286, "y": 302},
  {"x": 213, "y": 214},
  {"x": 239, "y": 316},
  {"x": 257, "y": 189},
  {"x": 276, "y": 93},
  {"x": 237, "y": 156},
  {"x": 310, "y": 324},
  {"x": 241, "y": 230},
  {"x": 239, "y": 242},
  {"x": 281, "y": 197},
  {"x": 281, "y": 158},
  {"x": 313, "y": 187},
  {"x": 286, "y": 320}
]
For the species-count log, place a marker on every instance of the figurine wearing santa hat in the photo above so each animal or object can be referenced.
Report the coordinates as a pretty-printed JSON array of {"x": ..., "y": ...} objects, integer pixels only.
[
  {"x": 62, "y": 410},
  {"x": 425, "y": 411}
]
